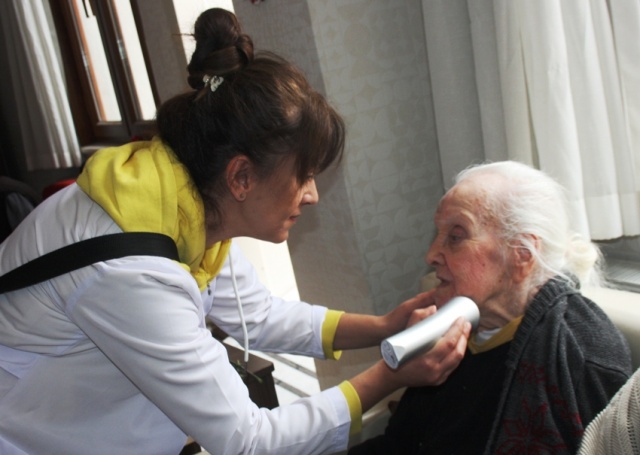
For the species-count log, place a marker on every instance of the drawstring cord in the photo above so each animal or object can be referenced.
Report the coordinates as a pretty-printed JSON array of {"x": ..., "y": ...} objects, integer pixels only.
[{"x": 245, "y": 333}]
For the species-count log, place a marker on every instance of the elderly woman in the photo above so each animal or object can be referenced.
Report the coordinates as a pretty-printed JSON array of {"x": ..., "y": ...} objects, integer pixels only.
[{"x": 544, "y": 360}]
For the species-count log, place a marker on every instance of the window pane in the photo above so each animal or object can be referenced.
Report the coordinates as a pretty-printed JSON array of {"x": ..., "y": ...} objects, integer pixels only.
[
  {"x": 134, "y": 60},
  {"x": 95, "y": 63}
]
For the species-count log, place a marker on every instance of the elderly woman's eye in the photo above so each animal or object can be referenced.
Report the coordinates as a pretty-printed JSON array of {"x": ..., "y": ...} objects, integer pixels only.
[{"x": 455, "y": 236}]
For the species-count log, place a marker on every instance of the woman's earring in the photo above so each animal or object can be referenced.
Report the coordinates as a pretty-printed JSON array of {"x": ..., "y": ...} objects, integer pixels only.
[{"x": 241, "y": 196}]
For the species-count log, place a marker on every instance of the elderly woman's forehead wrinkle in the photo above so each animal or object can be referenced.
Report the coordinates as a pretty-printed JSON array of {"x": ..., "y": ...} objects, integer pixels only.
[{"x": 471, "y": 198}]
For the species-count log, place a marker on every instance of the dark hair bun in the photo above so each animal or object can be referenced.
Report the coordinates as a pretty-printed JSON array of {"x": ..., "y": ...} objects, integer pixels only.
[{"x": 221, "y": 47}]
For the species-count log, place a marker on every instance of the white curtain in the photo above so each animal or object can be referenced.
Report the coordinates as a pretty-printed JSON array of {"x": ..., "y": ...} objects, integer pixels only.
[
  {"x": 46, "y": 127},
  {"x": 557, "y": 86}
]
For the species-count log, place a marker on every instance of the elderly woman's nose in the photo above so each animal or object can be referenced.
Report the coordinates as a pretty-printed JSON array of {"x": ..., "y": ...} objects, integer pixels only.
[{"x": 433, "y": 256}]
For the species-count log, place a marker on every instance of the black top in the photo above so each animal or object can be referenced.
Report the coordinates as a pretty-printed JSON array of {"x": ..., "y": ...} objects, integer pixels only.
[{"x": 453, "y": 418}]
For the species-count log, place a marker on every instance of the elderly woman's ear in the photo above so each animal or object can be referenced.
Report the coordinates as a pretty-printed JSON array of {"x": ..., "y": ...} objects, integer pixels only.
[{"x": 524, "y": 258}]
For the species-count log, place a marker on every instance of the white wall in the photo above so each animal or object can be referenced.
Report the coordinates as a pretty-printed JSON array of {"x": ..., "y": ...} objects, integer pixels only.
[{"x": 273, "y": 264}]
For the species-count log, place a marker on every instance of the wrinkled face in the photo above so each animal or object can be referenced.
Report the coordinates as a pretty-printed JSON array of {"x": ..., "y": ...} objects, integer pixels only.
[
  {"x": 275, "y": 203},
  {"x": 467, "y": 254}
]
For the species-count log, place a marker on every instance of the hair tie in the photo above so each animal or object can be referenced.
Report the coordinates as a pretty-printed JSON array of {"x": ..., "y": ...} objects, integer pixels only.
[{"x": 212, "y": 81}]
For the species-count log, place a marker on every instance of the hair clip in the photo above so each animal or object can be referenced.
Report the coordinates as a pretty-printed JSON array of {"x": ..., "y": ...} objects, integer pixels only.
[{"x": 213, "y": 82}]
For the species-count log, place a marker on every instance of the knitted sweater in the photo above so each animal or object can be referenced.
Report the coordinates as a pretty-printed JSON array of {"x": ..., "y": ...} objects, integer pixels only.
[
  {"x": 564, "y": 364},
  {"x": 616, "y": 430}
]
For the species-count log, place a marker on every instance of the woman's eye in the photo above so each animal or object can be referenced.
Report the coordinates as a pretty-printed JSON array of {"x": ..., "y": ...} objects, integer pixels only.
[{"x": 455, "y": 237}]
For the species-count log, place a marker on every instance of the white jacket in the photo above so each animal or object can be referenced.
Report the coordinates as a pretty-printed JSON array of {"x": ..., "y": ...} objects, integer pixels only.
[{"x": 115, "y": 358}]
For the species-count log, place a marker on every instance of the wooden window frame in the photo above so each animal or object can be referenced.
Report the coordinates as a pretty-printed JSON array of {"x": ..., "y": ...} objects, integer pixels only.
[{"x": 90, "y": 129}]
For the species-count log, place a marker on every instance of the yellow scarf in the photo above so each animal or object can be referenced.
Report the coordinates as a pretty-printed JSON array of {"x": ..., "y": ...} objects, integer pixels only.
[{"x": 144, "y": 188}]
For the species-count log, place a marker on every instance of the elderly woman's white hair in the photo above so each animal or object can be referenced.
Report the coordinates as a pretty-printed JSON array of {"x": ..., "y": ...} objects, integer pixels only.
[{"x": 531, "y": 210}]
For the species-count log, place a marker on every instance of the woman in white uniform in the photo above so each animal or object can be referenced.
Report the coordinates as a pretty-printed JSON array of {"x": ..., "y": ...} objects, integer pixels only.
[{"x": 115, "y": 357}]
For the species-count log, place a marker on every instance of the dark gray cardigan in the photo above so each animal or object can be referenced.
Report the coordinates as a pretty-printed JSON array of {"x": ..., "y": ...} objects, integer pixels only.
[{"x": 565, "y": 363}]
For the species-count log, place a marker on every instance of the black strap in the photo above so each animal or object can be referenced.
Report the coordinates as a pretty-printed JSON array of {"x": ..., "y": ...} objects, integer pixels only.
[{"x": 87, "y": 252}]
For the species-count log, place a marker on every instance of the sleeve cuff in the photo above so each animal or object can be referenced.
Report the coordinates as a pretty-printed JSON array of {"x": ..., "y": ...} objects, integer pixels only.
[
  {"x": 355, "y": 407},
  {"x": 329, "y": 327}
]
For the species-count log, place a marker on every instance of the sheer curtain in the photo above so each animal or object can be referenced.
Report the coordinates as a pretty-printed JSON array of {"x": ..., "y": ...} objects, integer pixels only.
[
  {"x": 46, "y": 126},
  {"x": 557, "y": 86}
]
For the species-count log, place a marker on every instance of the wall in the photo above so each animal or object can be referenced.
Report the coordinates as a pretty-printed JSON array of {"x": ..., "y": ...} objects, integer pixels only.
[
  {"x": 165, "y": 46},
  {"x": 361, "y": 249}
]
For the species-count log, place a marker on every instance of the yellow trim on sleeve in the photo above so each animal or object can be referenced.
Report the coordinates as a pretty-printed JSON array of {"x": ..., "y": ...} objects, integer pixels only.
[
  {"x": 329, "y": 327},
  {"x": 355, "y": 406}
]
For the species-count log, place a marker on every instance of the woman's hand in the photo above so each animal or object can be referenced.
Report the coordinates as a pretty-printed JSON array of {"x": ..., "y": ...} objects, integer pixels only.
[
  {"x": 430, "y": 368},
  {"x": 360, "y": 331},
  {"x": 435, "y": 366},
  {"x": 409, "y": 312}
]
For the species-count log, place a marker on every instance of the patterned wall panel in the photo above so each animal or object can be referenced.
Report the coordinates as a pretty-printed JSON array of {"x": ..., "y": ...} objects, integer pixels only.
[
  {"x": 369, "y": 58},
  {"x": 361, "y": 249},
  {"x": 374, "y": 63}
]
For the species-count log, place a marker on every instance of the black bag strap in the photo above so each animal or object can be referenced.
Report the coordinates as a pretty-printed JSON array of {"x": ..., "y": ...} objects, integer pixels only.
[{"x": 87, "y": 252}]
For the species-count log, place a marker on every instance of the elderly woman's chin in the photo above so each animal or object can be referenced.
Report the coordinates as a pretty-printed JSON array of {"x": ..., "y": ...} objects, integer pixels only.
[{"x": 443, "y": 294}]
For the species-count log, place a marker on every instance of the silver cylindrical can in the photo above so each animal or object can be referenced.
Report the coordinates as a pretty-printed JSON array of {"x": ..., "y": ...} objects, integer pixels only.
[{"x": 422, "y": 336}]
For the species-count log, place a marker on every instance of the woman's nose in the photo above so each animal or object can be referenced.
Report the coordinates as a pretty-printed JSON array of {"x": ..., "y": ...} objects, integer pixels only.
[{"x": 310, "y": 195}]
